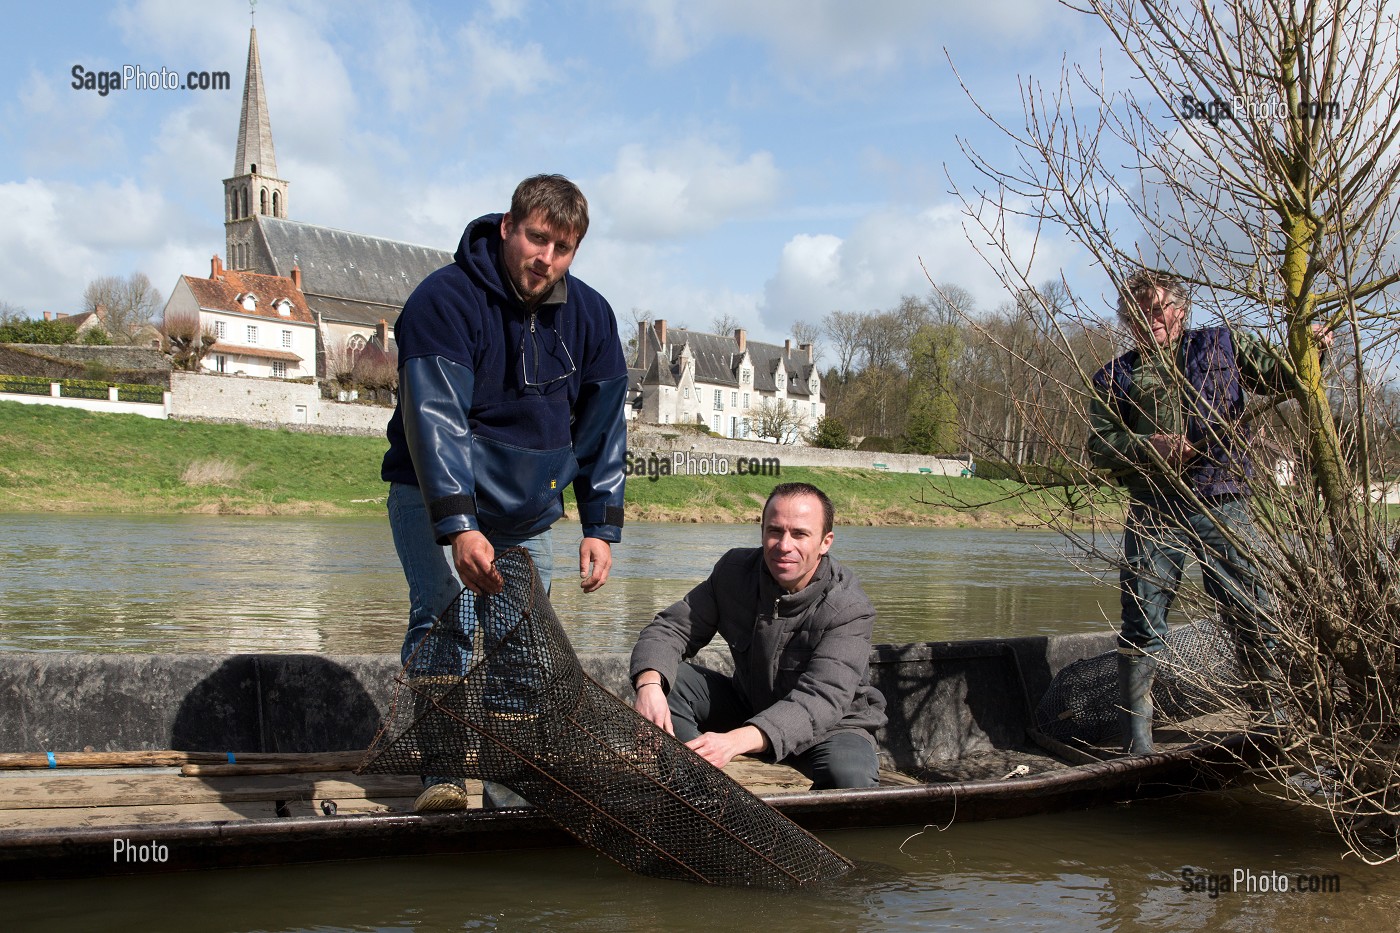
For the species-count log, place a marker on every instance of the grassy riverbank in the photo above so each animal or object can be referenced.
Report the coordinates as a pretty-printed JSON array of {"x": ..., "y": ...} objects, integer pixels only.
[{"x": 60, "y": 459}]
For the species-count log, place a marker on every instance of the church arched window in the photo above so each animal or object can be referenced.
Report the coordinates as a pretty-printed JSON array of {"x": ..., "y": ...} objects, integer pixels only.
[
  {"x": 354, "y": 346},
  {"x": 276, "y": 204},
  {"x": 262, "y": 201}
]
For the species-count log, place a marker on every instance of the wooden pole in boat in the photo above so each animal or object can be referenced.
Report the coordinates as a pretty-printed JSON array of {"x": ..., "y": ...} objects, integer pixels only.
[{"x": 292, "y": 761}]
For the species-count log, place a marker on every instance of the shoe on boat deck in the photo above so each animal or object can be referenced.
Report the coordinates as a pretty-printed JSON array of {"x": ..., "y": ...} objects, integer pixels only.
[{"x": 441, "y": 797}]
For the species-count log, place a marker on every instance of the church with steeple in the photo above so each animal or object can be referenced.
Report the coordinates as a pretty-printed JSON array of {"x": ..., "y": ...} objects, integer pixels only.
[{"x": 354, "y": 285}]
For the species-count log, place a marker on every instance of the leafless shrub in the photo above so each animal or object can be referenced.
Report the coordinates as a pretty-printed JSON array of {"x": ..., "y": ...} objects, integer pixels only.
[
  {"x": 185, "y": 341},
  {"x": 376, "y": 371},
  {"x": 779, "y": 419},
  {"x": 340, "y": 363}
]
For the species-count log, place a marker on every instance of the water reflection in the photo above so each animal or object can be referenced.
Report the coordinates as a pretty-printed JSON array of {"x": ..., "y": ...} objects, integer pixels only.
[{"x": 230, "y": 584}]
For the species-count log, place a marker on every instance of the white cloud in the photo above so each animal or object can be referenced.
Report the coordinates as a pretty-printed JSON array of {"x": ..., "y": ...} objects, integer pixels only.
[
  {"x": 643, "y": 276},
  {"x": 59, "y": 236},
  {"x": 835, "y": 38},
  {"x": 186, "y": 35},
  {"x": 405, "y": 54},
  {"x": 494, "y": 65},
  {"x": 670, "y": 29},
  {"x": 311, "y": 101},
  {"x": 879, "y": 262},
  {"x": 507, "y": 9},
  {"x": 683, "y": 189}
]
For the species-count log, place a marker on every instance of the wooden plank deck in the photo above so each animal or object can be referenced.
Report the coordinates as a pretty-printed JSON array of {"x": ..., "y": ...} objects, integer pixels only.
[{"x": 111, "y": 798}]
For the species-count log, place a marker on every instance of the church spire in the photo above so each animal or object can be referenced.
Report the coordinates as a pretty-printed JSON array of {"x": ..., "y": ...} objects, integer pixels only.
[
  {"x": 255, "y": 155},
  {"x": 254, "y": 190}
]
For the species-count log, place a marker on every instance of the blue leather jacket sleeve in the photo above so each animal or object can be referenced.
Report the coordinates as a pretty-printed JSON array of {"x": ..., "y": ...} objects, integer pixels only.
[
  {"x": 434, "y": 396},
  {"x": 600, "y": 446}
]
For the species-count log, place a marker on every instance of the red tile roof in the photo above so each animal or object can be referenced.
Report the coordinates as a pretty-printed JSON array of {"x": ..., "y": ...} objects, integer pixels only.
[{"x": 222, "y": 294}]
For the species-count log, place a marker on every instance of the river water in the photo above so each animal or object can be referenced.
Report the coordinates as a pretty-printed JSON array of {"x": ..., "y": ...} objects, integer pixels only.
[
  {"x": 228, "y": 584},
  {"x": 120, "y": 583}
]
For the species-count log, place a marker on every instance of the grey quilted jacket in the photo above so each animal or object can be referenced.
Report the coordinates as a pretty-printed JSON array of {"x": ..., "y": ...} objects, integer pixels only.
[{"x": 801, "y": 660}]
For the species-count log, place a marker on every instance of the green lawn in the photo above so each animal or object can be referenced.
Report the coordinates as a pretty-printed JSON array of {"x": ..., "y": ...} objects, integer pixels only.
[{"x": 64, "y": 459}]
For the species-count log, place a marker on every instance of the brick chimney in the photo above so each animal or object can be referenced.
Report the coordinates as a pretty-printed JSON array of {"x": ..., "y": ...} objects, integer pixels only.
[
  {"x": 806, "y": 348},
  {"x": 48, "y": 315},
  {"x": 787, "y": 347},
  {"x": 741, "y": 339},
  {"x": 381, "y": 330},
  {"x": 216, "y": 267},
  {"x": 296, "y": 281},
  {"x": 660, "y": 325}
]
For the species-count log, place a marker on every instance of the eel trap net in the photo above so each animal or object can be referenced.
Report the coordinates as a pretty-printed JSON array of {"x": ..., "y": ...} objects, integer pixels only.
[
  {"x": 1199, "y": 672},
  {"x": 496, "y": 692}
]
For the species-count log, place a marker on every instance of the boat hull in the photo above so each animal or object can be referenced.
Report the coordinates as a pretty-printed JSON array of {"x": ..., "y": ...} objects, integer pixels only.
[{"x": 949, "y": 703}]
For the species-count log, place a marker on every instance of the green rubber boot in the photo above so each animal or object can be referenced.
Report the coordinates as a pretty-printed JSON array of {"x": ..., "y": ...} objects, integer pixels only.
[{"x": 1135, "y": 675}]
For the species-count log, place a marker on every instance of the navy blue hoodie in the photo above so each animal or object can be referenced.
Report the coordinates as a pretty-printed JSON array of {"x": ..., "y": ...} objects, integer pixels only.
[{"x": 500, "y": 408}]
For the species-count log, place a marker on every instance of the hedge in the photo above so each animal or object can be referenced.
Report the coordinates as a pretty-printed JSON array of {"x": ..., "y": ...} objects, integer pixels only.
[{"x": 81, "y": 388}]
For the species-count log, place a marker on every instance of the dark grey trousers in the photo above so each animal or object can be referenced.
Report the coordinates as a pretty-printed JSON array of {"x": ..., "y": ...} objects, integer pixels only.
[{"x": 702, "y": 700}]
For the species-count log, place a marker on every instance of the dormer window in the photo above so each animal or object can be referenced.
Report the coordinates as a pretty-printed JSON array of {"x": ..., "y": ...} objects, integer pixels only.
[
  {"x": 283, "y": 307},
  {"x": 779, "y": 377},
  {"x": 745, "y": 376},
  {"x": 249, "y": 301}
]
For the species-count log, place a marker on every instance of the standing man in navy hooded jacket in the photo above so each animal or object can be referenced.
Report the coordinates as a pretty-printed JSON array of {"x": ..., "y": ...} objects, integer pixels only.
[{"x": 511, "y": 386}]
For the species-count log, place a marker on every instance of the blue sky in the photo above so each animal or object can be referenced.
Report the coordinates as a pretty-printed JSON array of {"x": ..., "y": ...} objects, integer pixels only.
[{"x": 773, "y": 160}]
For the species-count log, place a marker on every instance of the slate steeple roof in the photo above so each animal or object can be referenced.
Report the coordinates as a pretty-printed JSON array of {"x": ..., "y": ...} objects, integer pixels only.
[{"x": 255, "y": 155}]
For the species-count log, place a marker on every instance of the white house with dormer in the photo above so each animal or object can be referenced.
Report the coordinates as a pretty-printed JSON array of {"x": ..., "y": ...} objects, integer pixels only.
[
  {"x": 682, "y": 376},
  {"x": 261, "y": 323}
]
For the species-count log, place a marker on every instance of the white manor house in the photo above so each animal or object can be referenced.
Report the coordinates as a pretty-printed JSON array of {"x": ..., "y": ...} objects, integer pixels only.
[{"x": 683, "y": 376}]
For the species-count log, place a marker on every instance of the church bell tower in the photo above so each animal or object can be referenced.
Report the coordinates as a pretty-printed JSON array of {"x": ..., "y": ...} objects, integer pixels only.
[{"x": 254, "y": 188}]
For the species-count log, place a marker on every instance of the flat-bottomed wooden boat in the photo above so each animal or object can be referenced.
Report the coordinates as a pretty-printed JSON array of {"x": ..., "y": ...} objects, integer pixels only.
[{"x": 267, "y": 743}]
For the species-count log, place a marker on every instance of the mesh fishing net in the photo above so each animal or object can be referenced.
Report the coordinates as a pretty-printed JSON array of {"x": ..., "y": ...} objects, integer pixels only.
[
  {"x": 496, "y": 692},
  {"x": 1197, "y": 673}
]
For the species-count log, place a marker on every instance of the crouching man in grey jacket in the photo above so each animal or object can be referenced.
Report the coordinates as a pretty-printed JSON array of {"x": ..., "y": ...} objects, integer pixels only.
[{"x": 798, "y": 626}]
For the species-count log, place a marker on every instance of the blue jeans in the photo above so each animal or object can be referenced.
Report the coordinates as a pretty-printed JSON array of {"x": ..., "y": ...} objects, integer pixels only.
[
  {"x": 427, "y": 566},
  {"x": 1158, "y": 539},
  {"x": 702, "y": 700},
  {"x": 433, "y": 585}
]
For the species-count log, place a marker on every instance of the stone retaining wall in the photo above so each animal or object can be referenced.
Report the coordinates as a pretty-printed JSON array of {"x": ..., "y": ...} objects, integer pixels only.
[
  {"x": 270, "y": 403},
  {"x": 143, "y": 358}
]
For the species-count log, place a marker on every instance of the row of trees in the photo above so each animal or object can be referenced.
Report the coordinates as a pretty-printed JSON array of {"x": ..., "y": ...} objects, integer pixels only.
[{"x": 937, "y": 375}]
